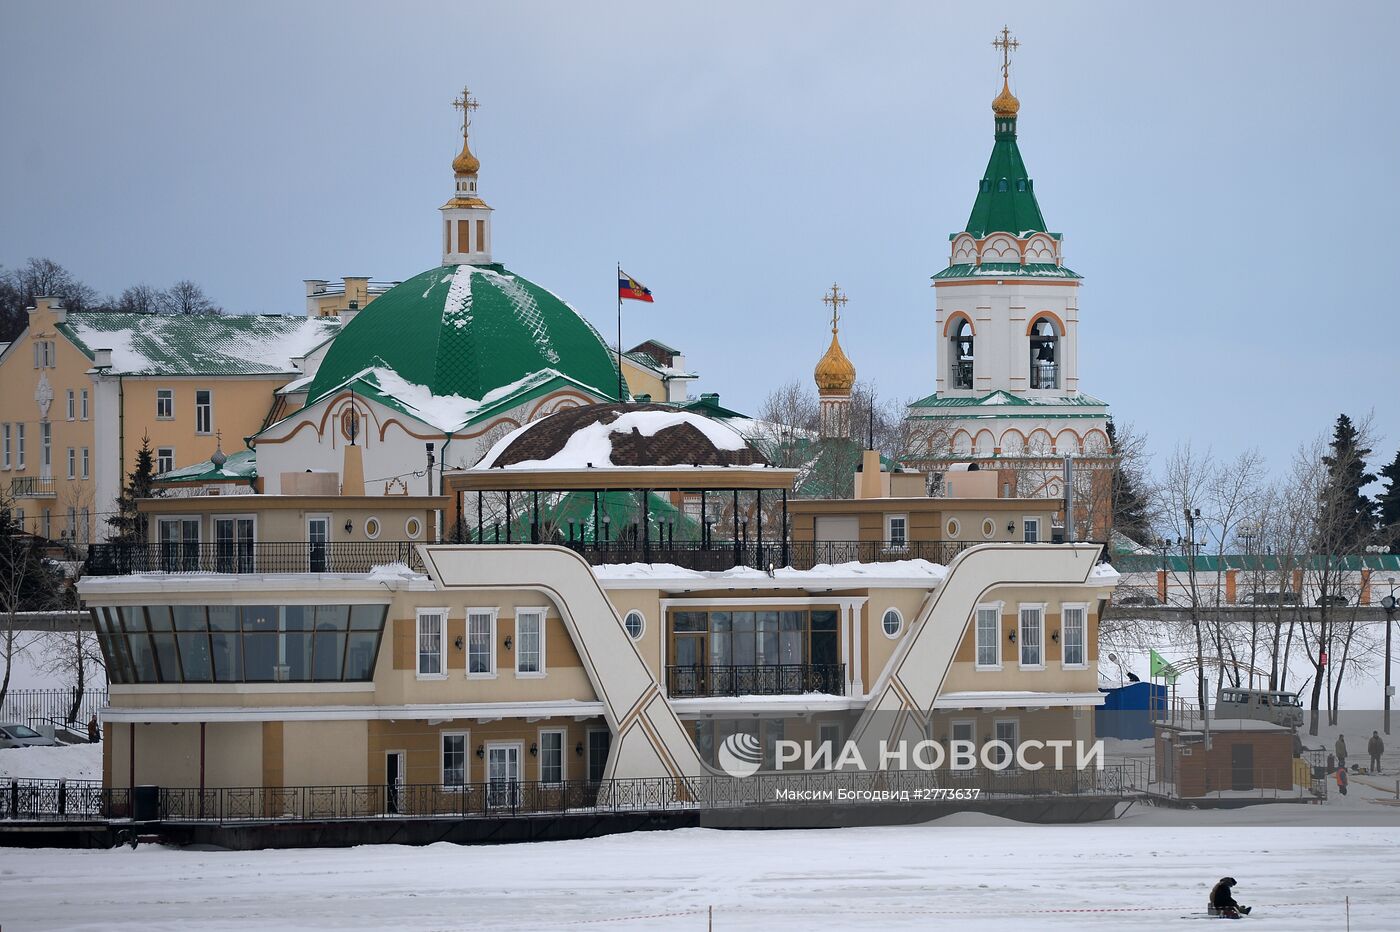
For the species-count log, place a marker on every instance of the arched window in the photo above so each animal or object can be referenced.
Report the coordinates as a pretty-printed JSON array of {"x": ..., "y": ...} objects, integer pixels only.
[
  {"x": 1045, "y": 354},
  {"x": 961, "y": 354},
  {"x": 1001, "y": 186},
  {"x": 1020, "y": 184}
]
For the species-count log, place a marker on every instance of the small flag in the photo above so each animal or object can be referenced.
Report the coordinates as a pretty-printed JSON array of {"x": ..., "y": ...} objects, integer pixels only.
[
  {"x": 633, "y": 290},
  {"x": 1159, "y": 667}
]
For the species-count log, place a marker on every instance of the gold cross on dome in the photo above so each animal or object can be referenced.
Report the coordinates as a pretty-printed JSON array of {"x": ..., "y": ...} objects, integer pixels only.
[
  {"x": 1007, "y": 45},
  {"x": 466, "y": 103},
  {"x": 836, "y": 299}
]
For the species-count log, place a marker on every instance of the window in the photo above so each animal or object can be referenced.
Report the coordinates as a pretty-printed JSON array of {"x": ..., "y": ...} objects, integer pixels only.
[
  {"x": 481, "y": 642},
  {"x": 413, "y": 527},
  {"x": 48, "y": 523},
  {"x": 234, "y": 544},
  {"x": 599, "y": 742},
  {"x": 1032, "y": 636},
  {"x": 1074, "y": 636},
  {"x": 372, "y": 528},
  {"x": 1031, "y": 530},
  {"x": 954, "y": 528},
  {"x": 83, "y": 406},
  {"x": 1001, "y": 186},
  {"x": 72, "y": 463},
  {"x": 72, "y": 405},
  {"x": 635, "y": 623},
  {"x": 165, "y": 459},
  {"x": 5, "y": 445},
  {"x": 454, "y": 759},
  {"x": 432, "y": 635},
  {"x": 988, "y": 637},
  {"x": 45, "y": 447},
  {"x": 896, "y": 532},
  {"x": 19, "y": 446},
  {"x": 86, "y": 459},
  {"x": 552, "y": 756},
  {"x": 1044, "y": 354},
  {"x": 529, "y": 642},
  {"x": 962, "y": 354},
  {"x": 892, "y": 623},
  {"x": 989, "y": 528},
  {"x": 1007, "y": 732},
  {"x": 43, "y": 354},
  {"x": 203, "y": 411},
  {"x": 165, "y": 403}
]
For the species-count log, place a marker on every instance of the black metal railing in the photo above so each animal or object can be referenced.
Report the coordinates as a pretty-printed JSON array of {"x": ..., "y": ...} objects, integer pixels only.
[
  {"x": 785, "y": 679},
  {"x": 807, "y": 554},
  {"x": 32, "y": 487},
  {"x": 62, "y": 800},
  {"x": 121, "y": 559},
  {"x": 962, "y": 374},
  {"x": 1045, "y": 375},
  {"x": 21, "y": 705}
]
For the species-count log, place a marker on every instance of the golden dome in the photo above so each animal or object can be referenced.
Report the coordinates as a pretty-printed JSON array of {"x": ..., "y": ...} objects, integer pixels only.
[
  {"x": 1006, "y": 104},
  {"x": 834, "y": 373},
  {"x": 465, "y": 163}
]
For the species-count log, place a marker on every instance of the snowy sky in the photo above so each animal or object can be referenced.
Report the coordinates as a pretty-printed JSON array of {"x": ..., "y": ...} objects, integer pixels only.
[{"x": 1221, "y": 173}]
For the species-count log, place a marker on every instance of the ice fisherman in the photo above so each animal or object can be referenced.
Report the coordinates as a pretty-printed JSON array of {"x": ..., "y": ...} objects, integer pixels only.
[
  {"x": 1222, "y": 900},
  {"x": 1342, "y": 750}
]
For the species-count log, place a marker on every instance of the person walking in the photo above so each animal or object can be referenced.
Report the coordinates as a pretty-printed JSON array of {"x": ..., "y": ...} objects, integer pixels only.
[
  {"x": 1375, "y": 747},
  {"x": 1341, "y": 750},
  {"x": 94, "y": 732}
]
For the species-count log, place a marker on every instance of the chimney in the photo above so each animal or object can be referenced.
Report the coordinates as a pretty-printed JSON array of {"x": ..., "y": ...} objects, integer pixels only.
[
  {"x": 353, "y": 470},
  {"x": 102, "y": 359},
  {"x": 870, "y": 481}
]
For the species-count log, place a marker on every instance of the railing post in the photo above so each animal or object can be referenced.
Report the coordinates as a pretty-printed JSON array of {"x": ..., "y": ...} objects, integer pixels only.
[{"x": 62, "y": 797}]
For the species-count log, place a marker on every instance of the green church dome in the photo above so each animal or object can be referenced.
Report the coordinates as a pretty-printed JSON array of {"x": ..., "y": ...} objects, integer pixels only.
[{"x": 468, "y": 330}]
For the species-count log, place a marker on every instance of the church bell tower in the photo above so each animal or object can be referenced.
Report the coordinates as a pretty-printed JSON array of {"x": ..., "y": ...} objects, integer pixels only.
[{"x": 466, "y": 218}]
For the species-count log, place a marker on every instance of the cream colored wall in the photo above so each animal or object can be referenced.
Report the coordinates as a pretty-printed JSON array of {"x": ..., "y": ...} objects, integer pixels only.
[
  {"x": 422, "y": 744},
  {"x": 241, "y": 403},
  {"x": 168, "y": 754},
  {"x": 878, "y": 647},
  {"x": 289, "y": 524},
  {"x": 648, "y": 602},
  {"x": 325, "y": 753},
  {"x": 964, "y": 677},
  {"x": 642, "y": 381}
]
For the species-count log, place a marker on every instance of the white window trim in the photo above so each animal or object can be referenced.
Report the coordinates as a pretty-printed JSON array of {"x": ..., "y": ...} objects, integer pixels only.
[
  {"x": 996, "y": 607},
  {"x": 1039, "y": 607},
  {"x": 640, "y": 614},
  {"x": 5, "y": 430},
  {"x": 87, "y": 463},
  {"x": 467, "y": 642},
  {"x": 171, "y": 415},
  {"x": 466, "y": 758},
  {"x": 83, "y": 406},
  {"x": 890, "y": 519},
  {"x": 407, "y": 522},
  {"x": 543, "y": 614},
  {"x": 378, "y": 527},
  {"x": 563, "y": 734},
  {"x": 210, "y": 431},
  {"x": 157, "y": 458},
  {"x": 1084, "y": 610},
  {"x": 71, "y": 405},
  {"x": 897, "y": 631},
  {"x": 72, "y": 463},
  {"x": 1012, "y": 767},
  {"x": 442, "y": 645},
  {"x": 519, "y": 766},
  {"x": 1028, "y": 520},
  {"x": 19, "y": 445}
]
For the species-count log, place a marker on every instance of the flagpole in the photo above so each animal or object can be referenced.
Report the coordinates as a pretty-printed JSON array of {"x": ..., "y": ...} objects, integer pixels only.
[{"x": 620, "y": 396}]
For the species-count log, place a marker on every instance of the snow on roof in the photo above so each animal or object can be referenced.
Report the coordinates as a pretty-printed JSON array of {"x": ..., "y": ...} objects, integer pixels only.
[
  {"x": 1103, "y": 571},
  {"x": 191, "y": 344},
  {"x": 446, "y": 412},
  {"x": 387, "y": 572},
  {"x": 241, "y": 464},
  {"x": 921, "y": 572},
  {"x": 591, "y": 445}
]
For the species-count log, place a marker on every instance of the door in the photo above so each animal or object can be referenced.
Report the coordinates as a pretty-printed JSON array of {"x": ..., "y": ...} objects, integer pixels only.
[
  {"x": 233, "y": 545},
  {"x": 179, "y": 544},
  {"x": 599, "y": 741},
  {"x": 393, "y": 779},
  {"x": 318, "y": 537},
  {"x": 1241, "y": 766},
  {"x": 503, "y": 775},
  {"x": 688, "y": 662}
]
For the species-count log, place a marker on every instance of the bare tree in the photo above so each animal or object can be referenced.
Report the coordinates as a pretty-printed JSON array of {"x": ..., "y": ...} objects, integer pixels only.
[
  {"x": 28, "y": 582},
  {"x": 141, "y": 299},
  {"x": 187, "y": 297}
]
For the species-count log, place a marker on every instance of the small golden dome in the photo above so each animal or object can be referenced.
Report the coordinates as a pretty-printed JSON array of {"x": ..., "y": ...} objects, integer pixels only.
[
  {"x": 1006, "y": 104},
  {"x": 834, "y": 373},
  {"x": 465, "y": 163}
]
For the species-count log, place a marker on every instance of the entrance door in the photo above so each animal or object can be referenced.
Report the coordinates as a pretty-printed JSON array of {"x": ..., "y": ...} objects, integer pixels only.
[
  {"x": 1241, "y": 766},
  {"x": 318, "y": 536},
  {"x": 393, "y": 779},
  {"x": 503, "y": 775}
]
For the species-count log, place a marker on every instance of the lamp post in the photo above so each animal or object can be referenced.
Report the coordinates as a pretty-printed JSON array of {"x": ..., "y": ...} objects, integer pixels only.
[{"x": 1388, "y": 603}]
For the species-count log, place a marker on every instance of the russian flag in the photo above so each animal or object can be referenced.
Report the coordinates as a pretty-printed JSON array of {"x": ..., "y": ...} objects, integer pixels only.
[{"x": 632, "y": 290}]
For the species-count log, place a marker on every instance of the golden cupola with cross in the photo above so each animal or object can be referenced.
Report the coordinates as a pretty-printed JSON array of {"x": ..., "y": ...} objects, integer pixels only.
[
  {"x": 835, "y": 375},
  {"x": 466, "y": 218}
]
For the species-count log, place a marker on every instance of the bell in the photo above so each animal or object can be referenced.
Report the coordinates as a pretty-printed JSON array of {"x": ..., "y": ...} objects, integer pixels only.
[
  {"x": 965, "y": 348},
  {"x": 1047, "y": 352}
]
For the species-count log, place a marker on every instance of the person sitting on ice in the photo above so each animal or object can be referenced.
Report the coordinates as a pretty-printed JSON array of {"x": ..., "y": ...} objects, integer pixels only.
[{"x": 1222, "y": 901}]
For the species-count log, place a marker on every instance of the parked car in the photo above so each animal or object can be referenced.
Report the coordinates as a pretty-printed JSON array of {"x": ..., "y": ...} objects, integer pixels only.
[
  {"x": 1284, "y": 597},
  {"x": 1331, "y": 600},
  {"x": 1137, "y": 600},
  {"x": 15, "y": 735},
  {"x": 1281, "y": 708}
]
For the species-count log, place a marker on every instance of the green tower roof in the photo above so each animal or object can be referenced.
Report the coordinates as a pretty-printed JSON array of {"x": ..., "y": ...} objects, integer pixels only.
[
  {"x": 466, "y": 331},
  {"x": 1006, "y": 195}
]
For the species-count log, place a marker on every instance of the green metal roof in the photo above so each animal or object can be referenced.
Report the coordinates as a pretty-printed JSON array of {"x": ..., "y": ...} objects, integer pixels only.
[
  {"x": 467, "y": 331},
  {"x": 1006, "y": 195},
  {"x": 1254, "y": 562},
  {"x": 1007, "y": 270},
  {"x": 621, "y": 508},
  {"x": 708, "y": 405},
  {"x": 197, "y": 344},
  {"x": 240, "y": 465},
  {"x": 1001, "y": 397}
]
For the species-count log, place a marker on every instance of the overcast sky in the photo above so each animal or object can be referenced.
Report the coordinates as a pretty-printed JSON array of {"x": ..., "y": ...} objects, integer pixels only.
[{"x": 1223, "y": 175}]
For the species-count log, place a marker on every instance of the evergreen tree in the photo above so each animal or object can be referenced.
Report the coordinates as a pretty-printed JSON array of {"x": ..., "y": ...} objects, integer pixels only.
[
  {"x": 1130, "y": 510},
  {"x": 1388, "y": 504},
  {"x": 1350, "y": 515},
  {"x": 126, "y": 524}
]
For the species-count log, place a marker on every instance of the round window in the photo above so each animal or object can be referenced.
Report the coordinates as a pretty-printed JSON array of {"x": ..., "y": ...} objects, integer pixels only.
[
  {"x": 372, "y": 528},
  {"x": 635, "y": 624},
  {"x": 413, "y": 527},
  {"x": 892, "y": 623},
  {"x": 954, "y": 528},
  {"x": 989, "y": 527}
]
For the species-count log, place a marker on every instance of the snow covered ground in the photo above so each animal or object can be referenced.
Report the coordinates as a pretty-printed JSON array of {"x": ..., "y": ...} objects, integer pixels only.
[
  {"x": 967, "y": 871},
  {"x": 73, "y": 762}
]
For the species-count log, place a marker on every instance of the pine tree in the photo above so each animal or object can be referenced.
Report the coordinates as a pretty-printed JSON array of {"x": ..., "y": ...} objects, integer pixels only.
[
  {"x": 127, "y": 523},
  {"x": 1388, "y": 504},
  {"x": 1351, "y": 516},
  {"x": 1130, "y": 515}
]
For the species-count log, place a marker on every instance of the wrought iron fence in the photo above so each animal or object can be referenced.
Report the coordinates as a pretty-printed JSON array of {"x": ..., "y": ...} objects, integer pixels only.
[
  {"x": 121, "y": 559},
  {"x": 787, "y": 679},
  {"x": 62, "y": 800},
  {"x": 21, "y": 705}
]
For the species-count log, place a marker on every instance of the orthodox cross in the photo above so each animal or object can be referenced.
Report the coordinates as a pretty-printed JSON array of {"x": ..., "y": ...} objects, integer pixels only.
[
  {"x": 466, "y": 103},
  {"x": 1006, "y": 44},
  {"x": 836, "y": 299}
]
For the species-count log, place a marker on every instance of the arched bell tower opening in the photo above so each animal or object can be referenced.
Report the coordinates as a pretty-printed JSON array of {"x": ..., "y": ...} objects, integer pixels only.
[
  {"x": 962, "y": 355},
  {"x": 1045, "y": 354}
]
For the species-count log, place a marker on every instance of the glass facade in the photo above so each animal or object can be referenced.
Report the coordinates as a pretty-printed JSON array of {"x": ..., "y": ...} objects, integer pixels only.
[{"x": 240, "y": 643}]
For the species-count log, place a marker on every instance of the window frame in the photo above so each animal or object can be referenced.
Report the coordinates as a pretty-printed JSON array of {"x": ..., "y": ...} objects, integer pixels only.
[
  {"x": 161, "y": 456},
  {"x": 890, "y": 545},
  {"x": 87, "y": 463},
  {"x": 5, "y": 445},
  {"x": 1083, "y": 610},
  {"x": 72, "y": 405},
  {"x": 72, "y": 463},
  {"x": 83, "y": 408},
  {"x": 899, "y": 628},
  {"x": 641, "y": 630},
  {"x": 1028, "y": 522},
  {"x": 563, "y": 734},
  {"x": 1015, "y": 723},
  {"x": 996, "y": 609},
  {"x": 418, "y": 616},
  {"x": 1021, "y": 610},
  {"x": 542, "y": 613},
  {"x": 493, "y": 614},
  {"x": 208, "y": 429},
  {"x": 165, "y": 395},
  {"x": 19, "y": 445},
  {"x": 466, "y": 737}
]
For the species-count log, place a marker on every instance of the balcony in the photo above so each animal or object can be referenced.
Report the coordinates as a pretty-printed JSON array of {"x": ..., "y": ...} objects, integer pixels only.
[
  {"x": 123, "y": 559},
  {"x": 32, "y": 487},
  {"x": 787, "y": 679}
]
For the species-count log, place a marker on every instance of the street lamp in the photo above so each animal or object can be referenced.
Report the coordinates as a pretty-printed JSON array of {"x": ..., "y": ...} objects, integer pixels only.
[{"x": 1388, "y": 603}]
